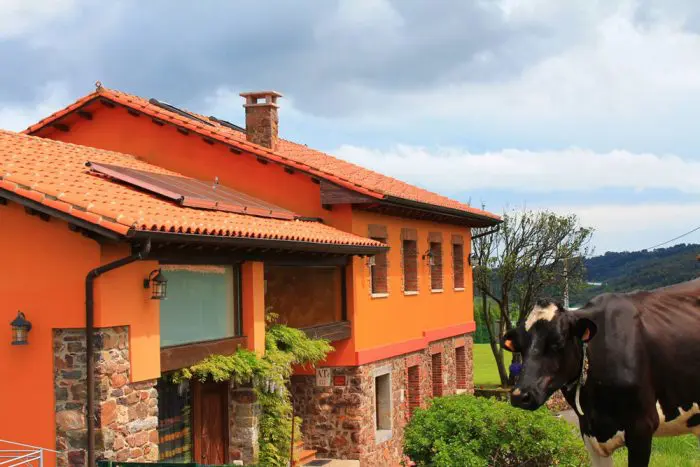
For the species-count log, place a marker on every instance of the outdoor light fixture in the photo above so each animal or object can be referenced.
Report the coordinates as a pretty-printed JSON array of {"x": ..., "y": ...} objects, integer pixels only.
[
  {"x": 158, "y": 283},
  {"x": 473, "y": 259},
  {"x": 431, "y": 258},
  {"x": 20, "y": 329}
]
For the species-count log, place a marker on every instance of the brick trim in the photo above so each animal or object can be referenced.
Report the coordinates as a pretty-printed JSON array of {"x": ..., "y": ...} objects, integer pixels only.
[
  {"x": 461, "y": 366},
  {"x": 436, "y": 370},
  {"x": 460, "y": 342},
  {"x": 437, "y": 348},
  {"x": 457, "y": 239}
]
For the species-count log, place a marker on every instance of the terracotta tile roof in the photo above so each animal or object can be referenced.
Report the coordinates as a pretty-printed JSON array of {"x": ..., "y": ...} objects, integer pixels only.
[
  {"x": 54, "y": 173},
  {"x": 320, "y": 164}
]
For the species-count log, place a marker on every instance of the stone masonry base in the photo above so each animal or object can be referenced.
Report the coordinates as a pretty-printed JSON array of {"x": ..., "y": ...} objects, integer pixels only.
[
  {"x": 126, "y": 413},
  {"x": 339, "y": 421}
]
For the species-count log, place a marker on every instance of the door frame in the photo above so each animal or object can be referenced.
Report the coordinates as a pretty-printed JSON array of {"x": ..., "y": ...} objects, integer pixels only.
[{"x": 196, "y": 388}]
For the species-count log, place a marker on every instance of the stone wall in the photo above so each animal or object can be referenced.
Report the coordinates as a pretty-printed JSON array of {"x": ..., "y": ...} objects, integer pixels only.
[
  {"x": 244, "y": 415},
  {"x": 126, "y": 413},
  {"x": 339, "y": 421}
]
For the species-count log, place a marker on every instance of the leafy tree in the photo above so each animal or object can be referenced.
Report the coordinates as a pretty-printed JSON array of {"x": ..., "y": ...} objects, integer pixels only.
[{"x": 532, "y": 252}]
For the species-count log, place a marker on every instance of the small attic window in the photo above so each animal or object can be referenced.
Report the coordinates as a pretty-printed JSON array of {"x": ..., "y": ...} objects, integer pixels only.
[{"x": 193, "y": 193}]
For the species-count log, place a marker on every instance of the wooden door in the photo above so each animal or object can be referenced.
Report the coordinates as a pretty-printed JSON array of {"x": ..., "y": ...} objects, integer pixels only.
[{"x": 210, "y": 407}]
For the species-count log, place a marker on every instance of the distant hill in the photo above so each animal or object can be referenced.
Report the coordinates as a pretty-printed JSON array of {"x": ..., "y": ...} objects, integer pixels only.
[{"x": 639, "y": 270}]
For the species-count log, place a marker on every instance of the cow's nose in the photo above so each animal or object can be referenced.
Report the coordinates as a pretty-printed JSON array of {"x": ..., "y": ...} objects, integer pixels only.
[{"x": 521, "y": 399}]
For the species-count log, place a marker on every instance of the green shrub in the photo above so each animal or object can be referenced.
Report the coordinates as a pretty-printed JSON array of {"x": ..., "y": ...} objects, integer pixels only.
[{"x": 480, "y": 432}]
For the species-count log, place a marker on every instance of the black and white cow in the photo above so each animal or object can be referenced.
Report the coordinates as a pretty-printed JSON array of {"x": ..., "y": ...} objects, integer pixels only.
[{"x": 629, "y": 365}]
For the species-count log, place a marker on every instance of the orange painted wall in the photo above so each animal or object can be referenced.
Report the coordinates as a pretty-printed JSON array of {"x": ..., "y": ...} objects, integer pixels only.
[
  {"x": 44, "y": 265},
  {"x": 43, "y": 274},
  {"x": 121, "y": 300},
  {"x": 398, "y": 317}
]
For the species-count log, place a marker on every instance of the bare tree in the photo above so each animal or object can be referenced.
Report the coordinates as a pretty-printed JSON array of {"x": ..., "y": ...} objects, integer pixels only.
[{"x": 531, "y": 253}]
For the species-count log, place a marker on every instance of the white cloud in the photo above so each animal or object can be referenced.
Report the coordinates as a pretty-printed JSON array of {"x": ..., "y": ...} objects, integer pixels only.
[
  {"x": 50, "y": 98},
  {"x": 618, "y": 76},
  {"x": 25, "y": 16},
  {"x": 620, "y": 227},
  {"x": 457, "y": 170}
]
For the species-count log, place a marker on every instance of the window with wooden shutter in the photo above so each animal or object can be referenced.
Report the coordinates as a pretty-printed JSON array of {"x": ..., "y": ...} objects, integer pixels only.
[
  {"x": 409, "y": 249},
  {"x": 458, "y": 265},
  {"x": 458, "y": 261},
  {"x": 435, "y": 261},
  {"x": 378, "y": 263}
]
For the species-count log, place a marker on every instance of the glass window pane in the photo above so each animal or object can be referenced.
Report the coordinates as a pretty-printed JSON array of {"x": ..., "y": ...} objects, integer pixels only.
[{"x": 200, "y": 304}]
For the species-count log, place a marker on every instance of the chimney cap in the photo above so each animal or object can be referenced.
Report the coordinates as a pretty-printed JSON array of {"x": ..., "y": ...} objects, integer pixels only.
[
  {"x": 260, "y": 94},
  {"x": 260, "y": 98}
]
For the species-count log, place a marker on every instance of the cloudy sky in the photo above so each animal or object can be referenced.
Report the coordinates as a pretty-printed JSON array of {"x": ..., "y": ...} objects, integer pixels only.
[{"x": 581, "y": 106}]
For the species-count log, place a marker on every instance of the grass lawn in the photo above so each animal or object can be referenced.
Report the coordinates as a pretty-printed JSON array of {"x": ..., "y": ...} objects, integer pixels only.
[
  {"x": 681, "y": 451},
  {"x": 485, "y": 370}
]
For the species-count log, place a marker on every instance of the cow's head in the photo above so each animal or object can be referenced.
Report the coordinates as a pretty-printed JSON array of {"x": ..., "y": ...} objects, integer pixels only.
[{"x": 551, "y": 343}]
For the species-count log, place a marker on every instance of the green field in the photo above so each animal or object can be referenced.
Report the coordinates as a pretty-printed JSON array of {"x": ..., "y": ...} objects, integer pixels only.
[
  {"x": 485, "y": 370},
  {"x": 680, "y": 451}
]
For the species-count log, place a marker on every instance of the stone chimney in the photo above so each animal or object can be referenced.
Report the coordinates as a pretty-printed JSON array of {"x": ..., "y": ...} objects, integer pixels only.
[{"x": 261, "y": 120}]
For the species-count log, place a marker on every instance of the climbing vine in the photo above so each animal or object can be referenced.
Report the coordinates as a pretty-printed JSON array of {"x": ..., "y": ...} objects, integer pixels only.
[{"x": 269, "y": 375}]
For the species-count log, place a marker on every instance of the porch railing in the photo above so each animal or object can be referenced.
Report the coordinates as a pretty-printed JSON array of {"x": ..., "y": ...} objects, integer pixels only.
[{"x": 14, "y": 454}]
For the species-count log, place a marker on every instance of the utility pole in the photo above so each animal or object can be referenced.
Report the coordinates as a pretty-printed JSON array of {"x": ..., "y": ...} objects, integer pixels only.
[{"x": 566, "y": 283}]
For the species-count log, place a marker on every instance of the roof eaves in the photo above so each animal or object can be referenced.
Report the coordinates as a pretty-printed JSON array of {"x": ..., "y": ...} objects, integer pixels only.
[
  {"x": 247, "y": 242},
  {"x": 476, "y": 214},
  {"x": 62, "y": 210}
]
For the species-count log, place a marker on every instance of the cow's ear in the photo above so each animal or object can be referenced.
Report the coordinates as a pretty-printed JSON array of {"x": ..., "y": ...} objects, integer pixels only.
[
  {"x": 585, "y": 329},
  {"x": 510, "y": 341}
]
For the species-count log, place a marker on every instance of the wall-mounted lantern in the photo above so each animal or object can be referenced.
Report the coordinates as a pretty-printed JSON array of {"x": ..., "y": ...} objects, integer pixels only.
[
  {"x": 473, "y": 259},
  {"x": 158, "y": 284},
  {"x": 20, "y": 329},
  {"x": 431, "y": 258}
]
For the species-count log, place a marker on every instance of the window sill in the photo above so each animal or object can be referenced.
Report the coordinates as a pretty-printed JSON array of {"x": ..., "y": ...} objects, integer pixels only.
[
  {"x": 382, "y": 436},
  {"x": 461, "y": 391},
  {"x": 459, "y": 289},
  {"x": 436, "y": 290},
  {"x": 380, "y": 295},
  {"x": 410, "y": 293}
]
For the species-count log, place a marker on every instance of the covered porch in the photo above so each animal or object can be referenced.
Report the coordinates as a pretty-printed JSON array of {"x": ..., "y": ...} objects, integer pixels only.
[{"x": 217, "y": 299}]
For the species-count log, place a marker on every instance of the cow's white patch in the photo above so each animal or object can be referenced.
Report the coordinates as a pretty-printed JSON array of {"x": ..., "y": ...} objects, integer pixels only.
[
  {"x": 679, "y": 425},
  {"x": 540, "y": 314},
  {"x": 596, "y": 459},
  {"x": 606, "y": 448}
]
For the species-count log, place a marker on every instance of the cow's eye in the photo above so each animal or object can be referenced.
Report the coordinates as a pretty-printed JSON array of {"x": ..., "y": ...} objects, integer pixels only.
[{"x": 556, "y": 345}]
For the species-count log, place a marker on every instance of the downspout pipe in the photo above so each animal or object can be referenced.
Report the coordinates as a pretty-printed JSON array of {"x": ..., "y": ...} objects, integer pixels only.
[{"x": 90, "y": 338}]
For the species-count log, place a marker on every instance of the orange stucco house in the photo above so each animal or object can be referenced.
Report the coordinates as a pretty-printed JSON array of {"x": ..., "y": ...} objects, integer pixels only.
[{"x": 101, "y": 197}]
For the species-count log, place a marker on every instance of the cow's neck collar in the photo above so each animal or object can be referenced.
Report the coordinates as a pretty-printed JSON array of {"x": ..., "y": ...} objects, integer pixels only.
[{"x": 580, "y": 381}]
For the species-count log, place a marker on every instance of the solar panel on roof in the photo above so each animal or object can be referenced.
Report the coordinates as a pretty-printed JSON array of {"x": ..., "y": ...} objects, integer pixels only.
[
  {"x": 172, "y": 108},
  {"x": 194, "y": 193},
  {"x": 227, "y": 124}
]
